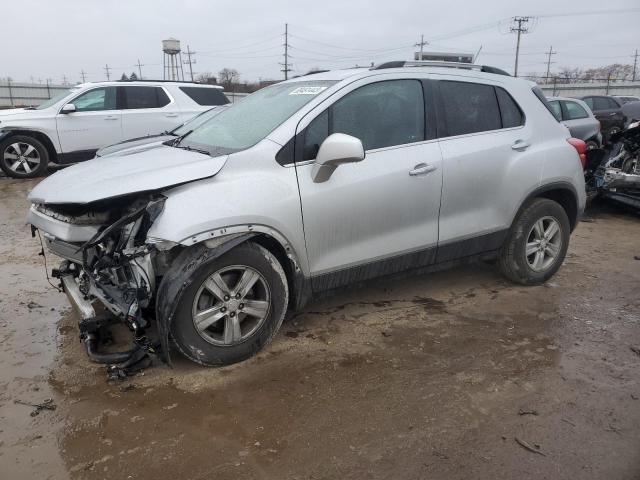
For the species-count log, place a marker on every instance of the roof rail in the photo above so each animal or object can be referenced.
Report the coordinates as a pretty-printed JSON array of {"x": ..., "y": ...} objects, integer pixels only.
[{"x": 431, "y": 63}]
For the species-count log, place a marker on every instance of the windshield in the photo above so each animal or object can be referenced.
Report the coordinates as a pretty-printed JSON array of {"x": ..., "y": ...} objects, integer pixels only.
[
  {"x": 246, "y": 123},
  {"x": 55, "y": 99},
  {"x": 196, "y": 121}
]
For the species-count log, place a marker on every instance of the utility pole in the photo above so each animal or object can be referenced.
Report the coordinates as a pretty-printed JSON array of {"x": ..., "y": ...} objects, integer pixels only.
[
  {"x": 64, "y": 80},
  {"x": 83, "y": 74},
  {"x": 139, "y": 65},
  {"x": 287, "y": 66},
  {"x": 421, "y": 45},
  {"x": 521, "y": 28},
  {"x": 189, "y": 61},
  {"x": 635, "y": 65},
  {"x": 108, "y": 71},
  {"x": 549, "y": 62}
]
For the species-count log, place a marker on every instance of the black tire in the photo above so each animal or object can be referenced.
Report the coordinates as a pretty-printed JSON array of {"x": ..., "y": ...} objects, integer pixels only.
[
  {"x": 20, "y": 171},
  {"x": 198, "y": 266},
  {"x": 592, "y": 144},
  {"x": 513, "y": 261}
]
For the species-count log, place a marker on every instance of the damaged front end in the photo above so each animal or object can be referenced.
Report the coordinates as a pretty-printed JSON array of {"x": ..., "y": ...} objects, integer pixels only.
[
  {"x": 618, "y": 178},
  {"x": 107, "y": 258}
]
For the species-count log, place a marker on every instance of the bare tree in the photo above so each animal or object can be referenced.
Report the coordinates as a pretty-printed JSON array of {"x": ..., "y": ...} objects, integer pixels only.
[
  {"x": 228, "y": 76},
  {"x": 206, "y": 77}
]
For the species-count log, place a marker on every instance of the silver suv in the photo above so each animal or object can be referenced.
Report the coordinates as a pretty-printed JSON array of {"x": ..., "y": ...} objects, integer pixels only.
[{"x": 307, "y": 186}]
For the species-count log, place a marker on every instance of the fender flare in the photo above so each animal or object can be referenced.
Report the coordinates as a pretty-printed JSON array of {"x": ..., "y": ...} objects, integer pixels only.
[
  {"x": 170, "y": 291},
  {"x": 544, "y": 191},
  {"x": 38, "y": 134}
]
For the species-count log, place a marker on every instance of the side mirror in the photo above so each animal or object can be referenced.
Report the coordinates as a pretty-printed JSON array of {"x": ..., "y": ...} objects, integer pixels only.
[
  {"x": 68, "y": 108},
  {"x": 337, "y": 149}
]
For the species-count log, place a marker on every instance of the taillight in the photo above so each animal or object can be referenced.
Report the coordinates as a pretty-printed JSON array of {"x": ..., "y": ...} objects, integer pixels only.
[{"x": 581, "y": 148}]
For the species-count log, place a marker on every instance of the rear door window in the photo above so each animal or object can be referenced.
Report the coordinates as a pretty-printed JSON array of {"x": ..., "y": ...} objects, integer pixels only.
[
  {"x": 139, "y": 97},
  {"x": 600, "y": 103},
  {"x": 574, "y": 111},
  {"x": 469, "y": 107},
  {"x": 205, "y": 96}
]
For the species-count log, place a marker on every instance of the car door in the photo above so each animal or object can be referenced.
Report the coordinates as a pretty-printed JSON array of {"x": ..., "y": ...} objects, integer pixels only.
[
  {"x": 380, "y": 215},
  {"x": 147, "y": 110},
  {"x": 96, "y": 122},
  {"x": 484, "y": 138},
  {"x": 606, "y": 111}
]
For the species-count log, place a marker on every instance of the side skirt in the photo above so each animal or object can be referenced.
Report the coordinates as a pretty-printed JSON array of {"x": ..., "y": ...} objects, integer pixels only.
[{"x": 74, "y": 157}]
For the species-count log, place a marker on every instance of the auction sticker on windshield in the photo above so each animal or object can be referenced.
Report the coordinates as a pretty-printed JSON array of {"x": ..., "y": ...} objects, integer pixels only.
[{"x": 307, "y": 90}]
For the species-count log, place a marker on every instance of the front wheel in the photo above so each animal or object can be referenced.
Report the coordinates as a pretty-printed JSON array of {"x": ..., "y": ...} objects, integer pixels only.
[
  {"x": 537, "y": 243},
  {"x": 233, "y": 305},
  {"x": 23, "y": 157}
]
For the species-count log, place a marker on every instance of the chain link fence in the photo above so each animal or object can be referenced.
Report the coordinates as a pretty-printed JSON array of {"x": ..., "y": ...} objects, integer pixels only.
[{"x": 557, "y": 86}]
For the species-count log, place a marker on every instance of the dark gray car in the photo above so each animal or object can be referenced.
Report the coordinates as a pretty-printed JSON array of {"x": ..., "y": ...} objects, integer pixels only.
[{"x": 579, "y": 119}]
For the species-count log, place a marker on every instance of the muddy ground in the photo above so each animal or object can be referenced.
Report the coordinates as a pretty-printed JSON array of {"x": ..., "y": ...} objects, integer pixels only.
[{"x": 431, "y": 377}]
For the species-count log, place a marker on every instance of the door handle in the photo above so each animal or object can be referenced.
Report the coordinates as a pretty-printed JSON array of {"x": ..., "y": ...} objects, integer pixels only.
[
  {"x": 171, "y": 115},
  {"x": 520, "y": 145},
  {"x": 612, "y": 114},
  {"x": 111, "y": 118},
  {"x": 422, "y": 169}
]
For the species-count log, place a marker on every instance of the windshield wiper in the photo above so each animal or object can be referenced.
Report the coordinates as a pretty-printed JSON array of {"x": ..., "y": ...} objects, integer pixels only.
[
  {"x": 177, "y": 140},
  {"x": 191, "y": 149}
]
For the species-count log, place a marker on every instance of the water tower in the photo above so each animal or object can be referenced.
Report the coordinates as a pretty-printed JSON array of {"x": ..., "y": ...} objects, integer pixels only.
[{"x": 172, "y": 62}]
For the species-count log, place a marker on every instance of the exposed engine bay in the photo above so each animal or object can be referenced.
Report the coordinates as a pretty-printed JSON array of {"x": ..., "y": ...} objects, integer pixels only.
[{"x": 108, "y": 258}]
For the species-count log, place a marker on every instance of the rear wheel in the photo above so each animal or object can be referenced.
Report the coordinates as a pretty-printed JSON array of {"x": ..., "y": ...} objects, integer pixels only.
[
  {"x": 23, "y": 157},
  {"x": 232, "y": 307},
  {"x": 592, "y": 144},
  {"x": 537, "y": 243}
]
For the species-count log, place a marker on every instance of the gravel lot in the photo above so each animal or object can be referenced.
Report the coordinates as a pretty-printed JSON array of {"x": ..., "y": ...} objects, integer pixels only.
[{"x": 447, "y": 376}]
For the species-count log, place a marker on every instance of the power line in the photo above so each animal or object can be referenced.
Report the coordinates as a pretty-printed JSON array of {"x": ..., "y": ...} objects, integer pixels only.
[
  {"x": 286, "y": 63},
  {"x": 189, "y": 61},
  {"x": 421, "y": 44},
  {"x": 139, "y": 65},
  {"x": 521, "y": 28},
  {"x": 551, "y": 52}
]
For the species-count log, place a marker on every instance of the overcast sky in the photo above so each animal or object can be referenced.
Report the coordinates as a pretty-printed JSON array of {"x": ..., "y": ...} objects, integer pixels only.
[{"x": 51, "y": 38}]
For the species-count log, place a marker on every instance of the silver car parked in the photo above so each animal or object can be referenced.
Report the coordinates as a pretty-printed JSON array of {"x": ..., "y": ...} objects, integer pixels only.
[
  {"x": 579, "y": 119},
  {"x": 309, "y": 186}
]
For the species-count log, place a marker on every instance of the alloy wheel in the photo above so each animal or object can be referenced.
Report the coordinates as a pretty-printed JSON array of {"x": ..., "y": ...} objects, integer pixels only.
[
  {"x": 230, "y": 305},
  {"x": 544, "y": 243},
  {"x": 21, "y": 157}
]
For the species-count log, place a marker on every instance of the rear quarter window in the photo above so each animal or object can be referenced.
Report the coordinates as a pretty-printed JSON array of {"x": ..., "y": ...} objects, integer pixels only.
[
  {"x": 538, "y": 93},
  {"x": 469, "y": 107},
  {"x": 205, "y": 96}
]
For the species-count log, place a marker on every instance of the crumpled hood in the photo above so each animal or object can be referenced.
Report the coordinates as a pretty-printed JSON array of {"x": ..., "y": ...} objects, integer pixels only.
[{"x": 123, "y": 174}]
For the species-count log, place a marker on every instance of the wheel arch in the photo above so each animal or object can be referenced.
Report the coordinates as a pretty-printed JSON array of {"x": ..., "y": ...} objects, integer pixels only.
[
  {"x": 561, "y": 192},
  {"x": 38, "y": 135},
  {"x": 170, "y": 291}
]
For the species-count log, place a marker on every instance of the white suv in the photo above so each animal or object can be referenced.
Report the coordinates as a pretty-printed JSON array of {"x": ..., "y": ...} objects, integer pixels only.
[
  {"x": 309, "y": 186},
  {"x": 72, "y": 126}
]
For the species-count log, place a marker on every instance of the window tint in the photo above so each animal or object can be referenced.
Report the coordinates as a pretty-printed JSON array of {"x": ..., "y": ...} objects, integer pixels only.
[
  {"x": 589, "y": 102},
  {"x": 469, "y": 107},
  {"x": 205, "y": 96},
  {"x": 144, "y": 97},
  {"x": 555, "y": 107},
  {"x": 612, "y": 103},
  {"x": 575, "y": 111},
  {"x": 509, "y": 110},
  {"x": 600, "y": 103},
  {"x": 381, "y": 114},
  {"x": 315, "y": 134},
  {"x": 96, "y": 100}
]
